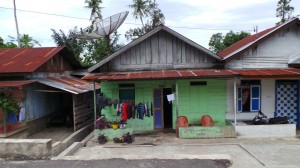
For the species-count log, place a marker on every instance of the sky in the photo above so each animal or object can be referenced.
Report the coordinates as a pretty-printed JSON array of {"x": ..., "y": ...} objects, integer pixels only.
[{"x": 194, "y": 19}]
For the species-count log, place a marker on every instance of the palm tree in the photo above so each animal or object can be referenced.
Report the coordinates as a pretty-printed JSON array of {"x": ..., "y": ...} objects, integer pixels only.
[
  {"x": 17, "y": 27},
  {"x": 94, "y": 5},
  {"x": 26, "y": 41},
  {"x": 140, "y": 8}
]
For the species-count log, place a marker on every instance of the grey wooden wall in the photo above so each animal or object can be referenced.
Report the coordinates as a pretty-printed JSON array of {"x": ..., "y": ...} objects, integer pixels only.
[
  {"x": 161, "y": 51},
  {"x": 274, "y": 52}
]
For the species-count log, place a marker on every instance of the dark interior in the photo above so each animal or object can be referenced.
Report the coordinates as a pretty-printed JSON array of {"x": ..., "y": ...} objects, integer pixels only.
[{"x": 167, "y": 108}]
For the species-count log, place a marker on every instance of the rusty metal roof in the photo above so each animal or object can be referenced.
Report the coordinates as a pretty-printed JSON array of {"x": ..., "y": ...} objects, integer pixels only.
[
  {"x": 249, "y": 41},
  {"x": 197, "y": 73},
  {"x": 69, "y": 84},
  {"x": 15, "y": 83},
  {"x": 14, "y": 60},
  {"x": 289, "y": 72},
  {"x": 163, "y": 74}
]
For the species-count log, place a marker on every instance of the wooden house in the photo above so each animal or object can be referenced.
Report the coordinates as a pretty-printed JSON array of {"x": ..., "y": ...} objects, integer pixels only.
[
  {"x": 159, "y": 64},
  {"x": 267, "y": 79},
  {"x": 41, "y": 81}
]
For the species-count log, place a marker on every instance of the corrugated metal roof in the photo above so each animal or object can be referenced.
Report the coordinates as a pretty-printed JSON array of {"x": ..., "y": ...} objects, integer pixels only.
[
  {"x": 15, "y": 83},
  {"x": 14, "y": 60},
  {"x": 198, "y": 73},
  {"x": 290, "y": 72},
  {"x": 163, "y": 74},
  {"x": 69, "y": 84},
  {"x": 250, "y": 40}
]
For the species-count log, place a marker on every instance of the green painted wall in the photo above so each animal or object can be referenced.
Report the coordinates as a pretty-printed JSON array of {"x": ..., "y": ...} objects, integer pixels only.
[
  {"x": 194, "y": 101},
  {"x": 143, "y": 93}
]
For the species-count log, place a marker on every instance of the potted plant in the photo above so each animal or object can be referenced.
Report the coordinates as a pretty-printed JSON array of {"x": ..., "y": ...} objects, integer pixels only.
[
  {"x": 127, "y": 138},
  {"x": 102, "y": 139},
  {"x": 114, "y": 125},
  {"x": 101, "y": 123},
  {"x": 10, "y": 106},
  {"x": 122, "y": 124}
]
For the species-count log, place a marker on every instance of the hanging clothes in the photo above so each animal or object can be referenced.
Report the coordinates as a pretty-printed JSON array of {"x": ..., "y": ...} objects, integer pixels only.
[
  {"x": 22, "y": 114},
  {"x": 124, "y": 111},
  {"x": 141, "y": 111},
  {"x": 129, "y": 110}
]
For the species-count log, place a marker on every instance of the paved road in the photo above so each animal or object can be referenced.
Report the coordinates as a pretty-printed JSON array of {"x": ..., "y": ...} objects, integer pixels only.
[{"x": 114, "y": 163}]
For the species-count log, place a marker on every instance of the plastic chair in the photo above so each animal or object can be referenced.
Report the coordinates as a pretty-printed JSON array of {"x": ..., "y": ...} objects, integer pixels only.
[
  {"x": 182, "y": 121},
  {"x": 207, "y": 121}
]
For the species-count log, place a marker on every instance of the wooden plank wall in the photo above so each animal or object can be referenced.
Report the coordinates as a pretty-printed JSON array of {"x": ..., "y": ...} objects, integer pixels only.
[
  {"x": 56, "y": 64},
  {"x": 83, "y": 110},
  {"x": 161, "y": 51}
]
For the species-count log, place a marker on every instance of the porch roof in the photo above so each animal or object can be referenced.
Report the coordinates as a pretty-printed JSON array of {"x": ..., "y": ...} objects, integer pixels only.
[
  {"x": 162, "y": 74},
  {"x": 15, "y": 83},
  {"x": 197, "y": 73},
  {"x": 288, "y": 72},
  {"x": 69, "y": 84}
]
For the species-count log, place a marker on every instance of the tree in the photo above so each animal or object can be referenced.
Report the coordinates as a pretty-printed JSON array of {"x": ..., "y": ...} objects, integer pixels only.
[
  {"x": 94, "y": 5},
  {"x": 151, "y": 12},
  {"x": 140, "y": 9},
  {"x": 25, "y": 41},
  {"x": 218, "y": 42},
  {"x": 87, "y": 52},
  {"x": 7, "y": 44},
  {"x": 75, "y": 45},
  {"x": 284, "y": 10},
  {"x": 16, "y": 22}
]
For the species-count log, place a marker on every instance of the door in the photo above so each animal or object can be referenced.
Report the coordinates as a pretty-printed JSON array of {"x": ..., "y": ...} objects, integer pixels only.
[
  {"x": 158, "y": 108},
  {"x": 287, "y": 100}
]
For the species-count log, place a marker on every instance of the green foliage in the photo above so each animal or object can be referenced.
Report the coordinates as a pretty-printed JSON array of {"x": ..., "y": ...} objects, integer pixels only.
[
  {"x": 284, "y": 10},
  {"x": 218, "y": 42},
  {"x": 94, "y": 5},
  {"x": 76, "y": 46},
  {"x": 7, "y": 44},
  {"x": 87, "y": 52},
  {"x": 26, "y": 41},
  {"x": 145, "y": 9},
  {"x": 8, "y": 104}
]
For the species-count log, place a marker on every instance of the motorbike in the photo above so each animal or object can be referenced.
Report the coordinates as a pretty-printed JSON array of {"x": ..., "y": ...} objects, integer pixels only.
[{"x": 262, "y": 119}]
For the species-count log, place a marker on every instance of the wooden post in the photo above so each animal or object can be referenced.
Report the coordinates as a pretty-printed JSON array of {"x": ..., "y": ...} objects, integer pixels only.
[
  {"x": 177, "y": 100},
  {"x": 4, "y": 122},
  {"x": 235, "y": 99},
  {"x": 95, "y": 106},
  {"x": 74, "y": 104}
]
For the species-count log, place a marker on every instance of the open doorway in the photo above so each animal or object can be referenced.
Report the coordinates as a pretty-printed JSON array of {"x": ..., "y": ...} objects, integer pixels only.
[
  {"x": 162, "y": 108},
  {"x": 167, "y": 107}
]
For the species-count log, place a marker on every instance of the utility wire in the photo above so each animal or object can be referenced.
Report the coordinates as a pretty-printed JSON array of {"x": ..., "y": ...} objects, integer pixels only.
[{"x": 73, "y": 17}]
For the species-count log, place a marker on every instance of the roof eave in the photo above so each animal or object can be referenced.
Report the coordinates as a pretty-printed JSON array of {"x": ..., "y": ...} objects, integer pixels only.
[{"x": 259, "y": 39}]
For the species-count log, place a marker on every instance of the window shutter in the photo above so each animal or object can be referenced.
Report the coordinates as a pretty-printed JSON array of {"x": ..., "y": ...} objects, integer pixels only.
[
  {"x": 255, "y": 97},
  {"x": 239, "y": 100}
]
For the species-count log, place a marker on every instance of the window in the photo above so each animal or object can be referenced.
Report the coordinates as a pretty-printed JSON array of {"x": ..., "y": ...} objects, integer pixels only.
[
  {"x": 249, "y": 96},
  {"x": 126, "y": 92}
]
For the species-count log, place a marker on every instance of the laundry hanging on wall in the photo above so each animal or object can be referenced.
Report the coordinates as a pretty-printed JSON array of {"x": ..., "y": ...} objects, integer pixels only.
[{"x": 128, "y": 110}]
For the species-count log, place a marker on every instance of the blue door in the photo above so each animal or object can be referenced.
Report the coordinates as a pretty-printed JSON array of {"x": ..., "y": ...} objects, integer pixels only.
[
  {"x": 158, "y": 108},
  {"x": 287, "y": 100}
]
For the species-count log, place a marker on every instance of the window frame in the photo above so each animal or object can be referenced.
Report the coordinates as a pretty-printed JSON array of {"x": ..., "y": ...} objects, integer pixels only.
[{"x": 252, "y": 99}]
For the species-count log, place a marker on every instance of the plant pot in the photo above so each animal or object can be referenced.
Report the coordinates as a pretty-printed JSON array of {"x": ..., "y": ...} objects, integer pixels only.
[
  {"x": 115, "y": 126},
  {"x": 122, "y": 125}
]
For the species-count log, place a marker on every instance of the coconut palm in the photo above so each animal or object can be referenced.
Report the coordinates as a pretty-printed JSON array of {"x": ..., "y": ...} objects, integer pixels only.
[
  {"x": 140, "y": 9},
  {"x": 94, "y": 5},
  {"x": 25, "y": 41}
]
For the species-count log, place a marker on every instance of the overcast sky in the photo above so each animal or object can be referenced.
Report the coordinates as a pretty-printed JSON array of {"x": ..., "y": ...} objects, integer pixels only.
[{"x": 201, "y": 18}]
